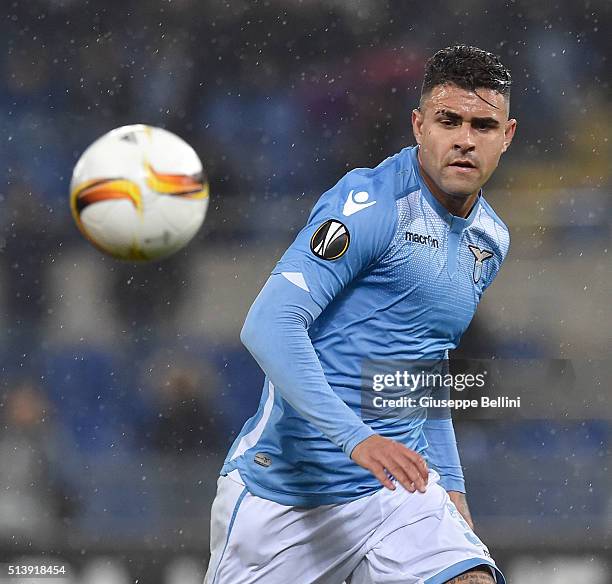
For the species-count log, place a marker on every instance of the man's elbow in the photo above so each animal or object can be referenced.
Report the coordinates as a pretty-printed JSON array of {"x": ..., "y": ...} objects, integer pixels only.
[
  {"x": 258, "y": 319},
  {"x": 248, "y": 334},
  {"x": 269, "y": 324}
]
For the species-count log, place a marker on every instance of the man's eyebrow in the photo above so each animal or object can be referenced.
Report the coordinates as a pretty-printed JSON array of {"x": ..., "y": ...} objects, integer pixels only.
[
  {"x": 488, "y": 121},
  {"x": 449, "y": 114}
]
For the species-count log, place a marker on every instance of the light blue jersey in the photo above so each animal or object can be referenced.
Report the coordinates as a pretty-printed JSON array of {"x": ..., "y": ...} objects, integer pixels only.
[{"x": 381, "y": 271}]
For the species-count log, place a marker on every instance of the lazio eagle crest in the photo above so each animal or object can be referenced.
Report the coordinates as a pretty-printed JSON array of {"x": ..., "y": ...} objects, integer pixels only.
[{"x": 480, "y": 256}]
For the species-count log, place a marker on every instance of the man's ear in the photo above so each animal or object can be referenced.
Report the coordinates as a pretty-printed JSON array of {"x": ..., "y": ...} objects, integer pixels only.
[
  {"x": 509, "y": 132},
  {"x": 417, "y": 124}
]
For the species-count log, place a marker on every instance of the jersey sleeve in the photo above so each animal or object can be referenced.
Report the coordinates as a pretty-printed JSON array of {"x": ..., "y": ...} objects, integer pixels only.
[
  {"x": 442, "y": 453},
  {"x": 276, "y": 334},
  {"x": 350, "y": 227}
]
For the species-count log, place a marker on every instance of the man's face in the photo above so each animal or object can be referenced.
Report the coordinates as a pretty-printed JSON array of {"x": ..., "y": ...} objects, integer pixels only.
[{"x": 461, "y": 136}]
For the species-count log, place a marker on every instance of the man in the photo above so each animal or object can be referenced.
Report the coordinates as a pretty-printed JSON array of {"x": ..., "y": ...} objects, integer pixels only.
[{"x": 390, "y": 266}]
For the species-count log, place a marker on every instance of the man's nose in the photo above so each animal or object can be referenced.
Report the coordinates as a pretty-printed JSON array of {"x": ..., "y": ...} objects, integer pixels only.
[{"x": 464, "y": 139}]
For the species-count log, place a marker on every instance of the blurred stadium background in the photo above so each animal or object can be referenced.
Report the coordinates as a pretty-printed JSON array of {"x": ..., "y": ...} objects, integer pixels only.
[{"x": 122, "y": 385}]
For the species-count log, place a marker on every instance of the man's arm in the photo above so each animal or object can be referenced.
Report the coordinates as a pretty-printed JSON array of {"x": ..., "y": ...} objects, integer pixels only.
[
  {"x": 327, "y": 255},
  {"x": 443, "y": 456},
  {"x": 460, "y": 502},
  {"x": 276, "y": 334}
]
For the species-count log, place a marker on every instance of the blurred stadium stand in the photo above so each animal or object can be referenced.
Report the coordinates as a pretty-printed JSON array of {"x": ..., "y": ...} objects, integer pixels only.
[{"x": 279, "y": 99}]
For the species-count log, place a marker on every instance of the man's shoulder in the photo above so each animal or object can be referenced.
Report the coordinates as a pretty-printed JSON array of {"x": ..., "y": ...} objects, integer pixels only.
[
  {"x": 488, "y": 209},
  {"x": 391, "y": 175},
  {"x": 378, "y": 187},
  {"x": 492, "y": 224}
]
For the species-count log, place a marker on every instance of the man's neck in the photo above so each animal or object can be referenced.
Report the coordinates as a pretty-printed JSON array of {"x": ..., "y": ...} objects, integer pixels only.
[{"x": 460, "y": 207}]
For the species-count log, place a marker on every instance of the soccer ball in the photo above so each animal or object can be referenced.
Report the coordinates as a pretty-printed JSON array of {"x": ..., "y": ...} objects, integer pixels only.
[{"x": 139, "y": 193}]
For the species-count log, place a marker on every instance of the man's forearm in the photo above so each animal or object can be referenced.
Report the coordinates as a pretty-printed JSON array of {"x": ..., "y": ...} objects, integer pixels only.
[{"x": 460, "y": 501}]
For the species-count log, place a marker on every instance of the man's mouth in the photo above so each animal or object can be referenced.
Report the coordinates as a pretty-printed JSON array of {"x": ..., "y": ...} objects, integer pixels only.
[{"x": 463, "y": 163}]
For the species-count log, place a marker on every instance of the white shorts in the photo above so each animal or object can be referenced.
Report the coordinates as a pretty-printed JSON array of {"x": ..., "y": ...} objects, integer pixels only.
[{"x": 390, "y": 537}]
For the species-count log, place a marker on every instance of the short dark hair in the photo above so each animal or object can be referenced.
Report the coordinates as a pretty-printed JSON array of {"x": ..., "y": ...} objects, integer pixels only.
[{"x": 467, "y": 67}]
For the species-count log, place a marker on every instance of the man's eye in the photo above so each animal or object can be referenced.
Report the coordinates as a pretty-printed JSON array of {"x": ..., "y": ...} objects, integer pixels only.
[{"x": 447, "y": 122}]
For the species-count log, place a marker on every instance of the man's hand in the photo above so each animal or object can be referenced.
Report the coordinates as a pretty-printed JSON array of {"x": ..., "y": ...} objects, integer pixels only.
[
  {"x": 461, "y": 503},
  {"x": 382, "y": 455}
]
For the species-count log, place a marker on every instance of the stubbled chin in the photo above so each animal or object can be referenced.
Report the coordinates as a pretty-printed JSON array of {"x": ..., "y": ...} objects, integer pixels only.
[
  {"x": 460, "y": 182},
  {"x": 459, "y": 189}
]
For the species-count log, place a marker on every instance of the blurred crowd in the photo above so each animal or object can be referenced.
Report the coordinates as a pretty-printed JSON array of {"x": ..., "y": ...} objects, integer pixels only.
[
  {"x": 279, "y": 97},
  {"x": 62, "y": 439},
  {"x": 123, "y": 385}
]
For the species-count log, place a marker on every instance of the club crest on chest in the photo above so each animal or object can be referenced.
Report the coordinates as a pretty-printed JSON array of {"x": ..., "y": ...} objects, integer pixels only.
[{"x": 480, "y": 256}]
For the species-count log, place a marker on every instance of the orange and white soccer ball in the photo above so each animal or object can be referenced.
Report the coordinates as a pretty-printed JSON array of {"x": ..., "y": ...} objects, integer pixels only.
[{"x": 139, "y": 193}]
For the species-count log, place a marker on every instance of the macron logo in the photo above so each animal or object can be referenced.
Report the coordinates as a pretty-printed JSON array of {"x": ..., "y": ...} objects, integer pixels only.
[{"x": 357, "y": 202}]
